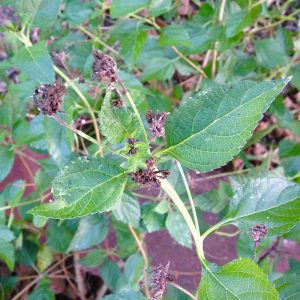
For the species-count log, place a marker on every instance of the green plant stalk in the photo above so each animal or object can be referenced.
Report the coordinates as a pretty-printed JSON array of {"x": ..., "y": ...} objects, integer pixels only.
[
  {"x": 168, "y": 187},
  {"x": 189, "y": 195},
  {"x": 183, "y": 210}
]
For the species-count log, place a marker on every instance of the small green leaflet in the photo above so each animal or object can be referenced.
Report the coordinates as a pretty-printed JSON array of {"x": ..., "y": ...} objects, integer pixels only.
[
  {"x": 122, "y": 8},
  {"x": 288, "y": 286},
  {"x": 240, "y": 279},
  {"x": 117, "y": 123},
  {"x": 84, "y": 187},
  {"x": 209, "y": 130},
  {"x": 274, "y": 202}
]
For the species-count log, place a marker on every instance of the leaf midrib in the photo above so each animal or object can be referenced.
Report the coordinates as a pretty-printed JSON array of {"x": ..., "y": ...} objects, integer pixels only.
[{"x": 211, "y": 124}]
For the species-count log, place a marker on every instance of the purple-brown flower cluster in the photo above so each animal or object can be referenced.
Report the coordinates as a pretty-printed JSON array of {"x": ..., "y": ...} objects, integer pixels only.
[
  {"x": 48, "y": 97},
  {"x": 258, "y": 232},
  {"x": 104, "y": 68},
  {"x": 149, "y": 176},
  {"x": 156, "y": 123},
  {"x": 160, "y": 278}
]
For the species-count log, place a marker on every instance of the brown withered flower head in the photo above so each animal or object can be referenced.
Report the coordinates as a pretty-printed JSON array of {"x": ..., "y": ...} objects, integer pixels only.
[
  {"x": 160, "y": 278},
  {"x": 48, "y": 97},
  {"x": 149, "y": 176},
  {"x": 156, "y": 123},
  {"x": 258, "y": 232},
  {"x": 104, "y": 68},
  {"x": 133, "y": 149},
  {"x": 8, "y": 16}
]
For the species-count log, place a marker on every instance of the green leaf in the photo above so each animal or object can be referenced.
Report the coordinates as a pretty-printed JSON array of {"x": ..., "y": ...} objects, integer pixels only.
[
  {"x": 175, "y": 35},
  {"x": 178, "y": 229},
  {"x": 162, "y": 207},
  {"x": 13, "y": 192},
  {"x": 122, "y": 8},
  {"x": 270, "y": 53},
  {"x": 92, "y": 230},
  {"x": 284, "y": 116},
  {"x": 77, "y": 11},
  {"x": 125, "y": 295},
  {"x": 36, "y": 63},
  {"x": 60, "y": 234},
  {"x": 239, "y": 279},
  {"x": 116, "y": 123},
  {"x": 289, "y": 154},
  {"x": 215, "y": 200},
  {"x": 274, "y": 202},
  {"x": 241, "y": 19},
  {"x": 159, "y": 7},
  {"x": 295, "y": 72},
  {"x": 159, "y": 68},
  {"x": 6, "y": 161},
  {"x": 93, "y": 259},
  {"x": 128, "y": 211},
  {"x": 59, "y": 141},
  {"x": 44, "y": 258},
  {"x": 288, "y": 286},
  {"x": 112, "y": 276},
  {"x": 38, "y": 13},
  {"x": 209, "y": 130},
  {"x": 133, "y": 270},
  {"x": 84, "y": 187},
  {"x": 6, "y": 234},
  {"x": 43, "y": 292},
  {"x": 132, "y": 36},
  {"x": 7, "y": 253}
]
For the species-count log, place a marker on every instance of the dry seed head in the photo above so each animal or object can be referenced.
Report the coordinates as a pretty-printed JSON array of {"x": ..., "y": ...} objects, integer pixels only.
[
  {"x": 48, "y": 97},
  {"x": 156, "y": 123},
  {"x": 104, "y": 68},
  {"x": 258, "y": 232}
]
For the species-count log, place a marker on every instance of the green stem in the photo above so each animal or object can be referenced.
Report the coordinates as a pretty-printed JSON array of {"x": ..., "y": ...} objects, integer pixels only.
[
  {"x": 95, "y": 38},
  {"x": 214, "y": 228},
  {"x": 189, "y": 195},
  {"x": 75, "y": 130},
  {"x": 181, "y": 207}
]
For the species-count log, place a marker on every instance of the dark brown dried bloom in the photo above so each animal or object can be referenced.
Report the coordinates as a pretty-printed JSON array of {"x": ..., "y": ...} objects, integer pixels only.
[
  {"x": 149, "y": 177},
  {"x": 118, "y": 102},
  {"x": 258, "y": 232},
  {"x": 131, "y": 142},
  {"x": 35, "y": 35},
  {"x": 8, "y": 16},
  {"x": 104, "y": 68},
  {"x": 160, "y": 278},
  {"x": 12, "y": 74},
  {"x": 156, "y": 123},
  {"x": 48, "y": 98}
]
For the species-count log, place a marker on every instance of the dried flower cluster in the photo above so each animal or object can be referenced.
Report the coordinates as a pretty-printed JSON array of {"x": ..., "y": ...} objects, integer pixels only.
[
  {"x": 156, "y": 123},
  {"x": 104, "y": 68},
  {"x": 131, "y": 142},
  {"x": 48, "y": 98},
  {"x": 160, "y": 278},
  {"x": 8, "y": 16},
  {"x": 149, "y": 177},
  {"x": 258, "y": 232}
]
